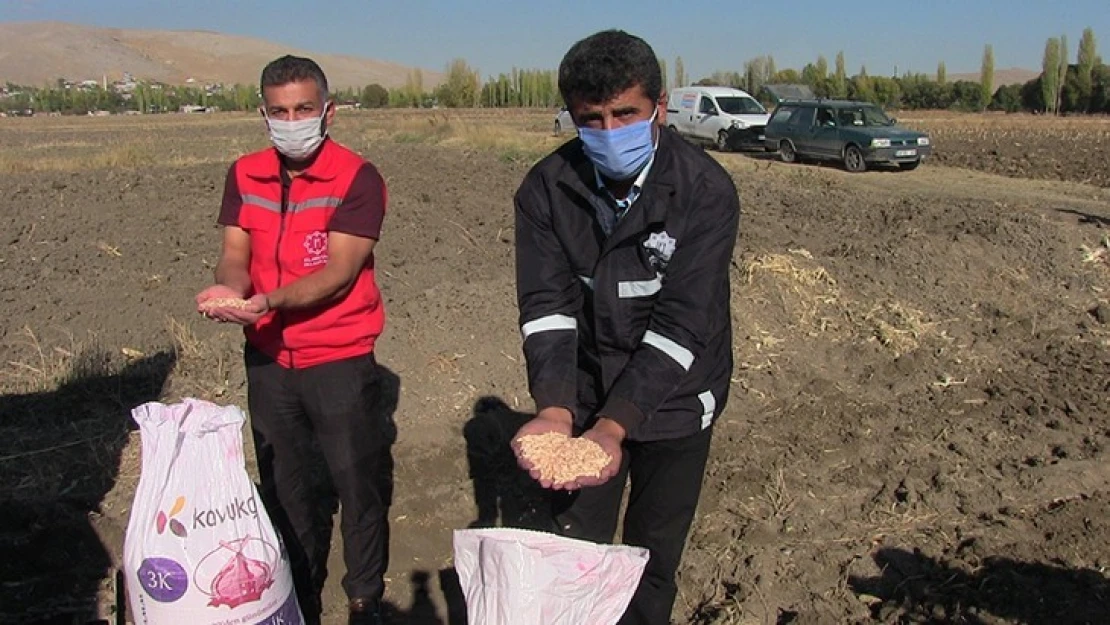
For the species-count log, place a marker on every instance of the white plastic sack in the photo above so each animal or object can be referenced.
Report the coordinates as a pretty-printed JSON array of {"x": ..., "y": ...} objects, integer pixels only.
[
  {"x": 518, "y": 577},
  {"x": 200, "y": 548}
]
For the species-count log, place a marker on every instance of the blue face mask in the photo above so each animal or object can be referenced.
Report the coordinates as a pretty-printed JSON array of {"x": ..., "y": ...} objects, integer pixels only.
[{"x": 620, "y": 153}]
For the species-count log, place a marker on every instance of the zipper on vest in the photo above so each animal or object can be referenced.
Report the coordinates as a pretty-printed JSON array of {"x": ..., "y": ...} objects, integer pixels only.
[{"x": 286, "y": 182}]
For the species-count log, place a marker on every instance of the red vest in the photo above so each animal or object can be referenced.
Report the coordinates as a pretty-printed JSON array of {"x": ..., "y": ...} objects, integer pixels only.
[{"x": 289, "y": 240}]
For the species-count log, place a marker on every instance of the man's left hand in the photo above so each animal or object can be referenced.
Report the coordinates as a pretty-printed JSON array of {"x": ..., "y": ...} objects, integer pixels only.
[{"x": 609, "y": 435}]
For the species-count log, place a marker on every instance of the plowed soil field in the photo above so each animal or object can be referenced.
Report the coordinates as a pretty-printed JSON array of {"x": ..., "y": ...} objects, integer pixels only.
[{"x": 920, "y": 414}]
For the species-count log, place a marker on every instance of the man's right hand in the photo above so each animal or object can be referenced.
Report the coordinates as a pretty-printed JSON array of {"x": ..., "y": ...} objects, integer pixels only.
[{"x": 553, "y": 419}]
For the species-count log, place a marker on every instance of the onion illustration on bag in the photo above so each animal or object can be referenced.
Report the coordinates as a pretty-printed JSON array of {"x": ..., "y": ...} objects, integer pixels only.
[{"x": 242, "y": 579}]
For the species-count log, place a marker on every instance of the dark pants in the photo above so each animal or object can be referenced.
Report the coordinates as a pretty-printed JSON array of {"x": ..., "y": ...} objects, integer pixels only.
[
  {"x": 666, "y": 483},
  {"x": 321, "y": 435}
]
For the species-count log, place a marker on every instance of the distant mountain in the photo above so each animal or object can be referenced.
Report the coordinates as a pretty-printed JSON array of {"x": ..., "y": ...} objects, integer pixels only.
[
  {"x": 1002, "y": 77},
  {"x": 38, "y": 53}
]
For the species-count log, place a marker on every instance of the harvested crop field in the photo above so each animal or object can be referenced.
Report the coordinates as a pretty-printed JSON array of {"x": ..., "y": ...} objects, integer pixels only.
[
  {"x": 920, "y": 413},
  {"x": 1022, "y": 146}
]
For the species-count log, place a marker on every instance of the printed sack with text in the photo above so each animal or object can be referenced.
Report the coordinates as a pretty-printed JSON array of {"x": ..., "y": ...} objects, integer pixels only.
[{"x": 200, "y": 548}]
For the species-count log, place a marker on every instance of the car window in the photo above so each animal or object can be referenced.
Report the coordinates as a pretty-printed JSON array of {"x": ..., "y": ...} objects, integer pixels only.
[
  {"x": 706, "y": 106},
  {"x": 782, "y": 115},
  {"x": 735, "y": 105},
  {"x": 825, "y": 117},
  {"x": 864, "y": 116},
  {"x": 849, "y": 118},
  {"x": 803, "y": 118}
]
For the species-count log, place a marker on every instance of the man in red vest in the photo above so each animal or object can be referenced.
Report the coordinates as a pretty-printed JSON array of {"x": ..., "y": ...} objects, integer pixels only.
[{"x": 300, "y": 221}]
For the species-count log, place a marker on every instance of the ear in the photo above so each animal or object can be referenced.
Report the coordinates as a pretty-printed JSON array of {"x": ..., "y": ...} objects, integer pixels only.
[
  {"x": 330, "y": 114},
  {"x": 661, "y": 109}
]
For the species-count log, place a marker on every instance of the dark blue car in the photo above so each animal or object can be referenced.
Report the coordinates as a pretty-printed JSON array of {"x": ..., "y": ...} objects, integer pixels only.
[{"x": 857, "y": 134}]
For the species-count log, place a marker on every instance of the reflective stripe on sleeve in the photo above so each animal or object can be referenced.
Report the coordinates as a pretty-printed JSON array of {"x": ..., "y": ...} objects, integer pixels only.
[
  {"x": 548, "y": 324},
  {"x": 639, "y": 288},
  {"x": 709, "y": 408},
  {"x": 678, "y": 353}
]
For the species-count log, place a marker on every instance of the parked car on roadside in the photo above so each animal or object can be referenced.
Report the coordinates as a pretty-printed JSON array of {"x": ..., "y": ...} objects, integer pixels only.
[
  {"x": 857, "y": 134},
  {"x": 721, "y": 116}
]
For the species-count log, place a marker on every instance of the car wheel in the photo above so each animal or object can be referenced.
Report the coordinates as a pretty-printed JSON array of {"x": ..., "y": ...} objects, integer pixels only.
[
  {"x": 722, "y": 141},
  {"x": 786, "y": 152},
  {"x": 910, "y": 166},
  {"x": 853, "y": 159}
]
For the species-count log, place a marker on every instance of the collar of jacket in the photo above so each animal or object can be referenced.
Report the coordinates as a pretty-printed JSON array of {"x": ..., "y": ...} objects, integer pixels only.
[
  {"x": 321, "y": 168},
  {"x": 651, "y": 206}
]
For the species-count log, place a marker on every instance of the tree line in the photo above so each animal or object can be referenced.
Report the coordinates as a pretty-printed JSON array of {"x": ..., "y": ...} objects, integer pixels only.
[{"x": 1062, "y": 87}]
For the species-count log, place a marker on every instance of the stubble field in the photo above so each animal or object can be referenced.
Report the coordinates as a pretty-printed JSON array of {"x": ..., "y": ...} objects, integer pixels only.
[{"x": 919, "y": 416}]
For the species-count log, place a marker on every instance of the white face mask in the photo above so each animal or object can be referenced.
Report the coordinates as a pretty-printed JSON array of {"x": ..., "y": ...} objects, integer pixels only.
[{"x": 298, "y": 140}]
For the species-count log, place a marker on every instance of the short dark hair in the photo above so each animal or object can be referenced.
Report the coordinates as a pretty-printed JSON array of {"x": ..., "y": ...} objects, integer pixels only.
[
  {"x": 287, "y": 69},
  {"x": 604, "y": 64}
]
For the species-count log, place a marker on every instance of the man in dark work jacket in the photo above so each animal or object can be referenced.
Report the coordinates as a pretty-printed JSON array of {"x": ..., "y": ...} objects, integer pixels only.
[{"x": 624, "y": 240}]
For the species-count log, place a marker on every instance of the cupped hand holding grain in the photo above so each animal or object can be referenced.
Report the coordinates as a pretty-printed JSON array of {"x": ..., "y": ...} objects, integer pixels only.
[
  {"x": 544, "y": 446},
  {"x": 562, "y": 460},
  {"x": 549, "y": 420},
  {"x": 222, "y": 303}
]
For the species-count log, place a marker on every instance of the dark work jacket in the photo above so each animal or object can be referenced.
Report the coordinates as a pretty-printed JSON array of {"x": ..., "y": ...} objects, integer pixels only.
[{"x": 634, "y": 326}]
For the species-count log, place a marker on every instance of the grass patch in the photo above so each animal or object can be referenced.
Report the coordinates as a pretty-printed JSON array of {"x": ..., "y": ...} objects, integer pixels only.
[
  {"x": 131, "y": 155},
  {"x": 513, "y": 140}
]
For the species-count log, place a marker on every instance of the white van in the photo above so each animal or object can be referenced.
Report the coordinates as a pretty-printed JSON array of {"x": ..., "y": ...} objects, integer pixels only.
[{"x": 726, "y": 117}]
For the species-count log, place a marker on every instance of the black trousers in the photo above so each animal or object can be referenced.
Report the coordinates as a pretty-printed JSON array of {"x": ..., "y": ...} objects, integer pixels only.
[
  {"x": 322, "y": 438},
  {"x": 666, "y": 481}
]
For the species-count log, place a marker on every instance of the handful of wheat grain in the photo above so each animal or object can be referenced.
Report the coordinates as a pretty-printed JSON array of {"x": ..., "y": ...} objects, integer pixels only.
[
  {"x": 224, "y": 302},
  {"x": 563, "y": 459}
]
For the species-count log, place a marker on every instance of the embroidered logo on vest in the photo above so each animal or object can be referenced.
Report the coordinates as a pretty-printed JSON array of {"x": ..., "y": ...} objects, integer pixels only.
[{"x": 316, "y": 248}]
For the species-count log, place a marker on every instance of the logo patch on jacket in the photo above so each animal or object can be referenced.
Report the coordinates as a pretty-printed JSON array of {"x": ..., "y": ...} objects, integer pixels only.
[
  {"x": 660, "y": 247},
  {"x": 316, "y": 249}
]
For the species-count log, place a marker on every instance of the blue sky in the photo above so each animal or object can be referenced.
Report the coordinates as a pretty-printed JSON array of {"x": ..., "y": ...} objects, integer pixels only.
[{"x": 495, "y": 35}]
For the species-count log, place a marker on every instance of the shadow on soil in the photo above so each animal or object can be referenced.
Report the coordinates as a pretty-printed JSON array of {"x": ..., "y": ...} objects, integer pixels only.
[
  {"x": 1086, "y": 218},
  {"x": 59, "y": 455},
  {"x": 423, "y": 610},
  {"x": 505, "y": 494},
  {"x": 915, "y": 588}
]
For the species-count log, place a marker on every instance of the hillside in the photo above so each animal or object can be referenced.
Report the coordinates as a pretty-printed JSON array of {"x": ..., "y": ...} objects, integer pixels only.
[{"x": 36, "y": 53}]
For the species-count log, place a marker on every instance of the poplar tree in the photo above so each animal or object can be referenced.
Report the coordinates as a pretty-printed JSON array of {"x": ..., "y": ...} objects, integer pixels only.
[
  {"x": 1050, "y": 72},
  {"x": 986, "y": 75}
]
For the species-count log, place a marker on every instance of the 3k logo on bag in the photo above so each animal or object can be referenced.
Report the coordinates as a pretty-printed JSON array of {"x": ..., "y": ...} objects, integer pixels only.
[{"x": 163, "y": 520}]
